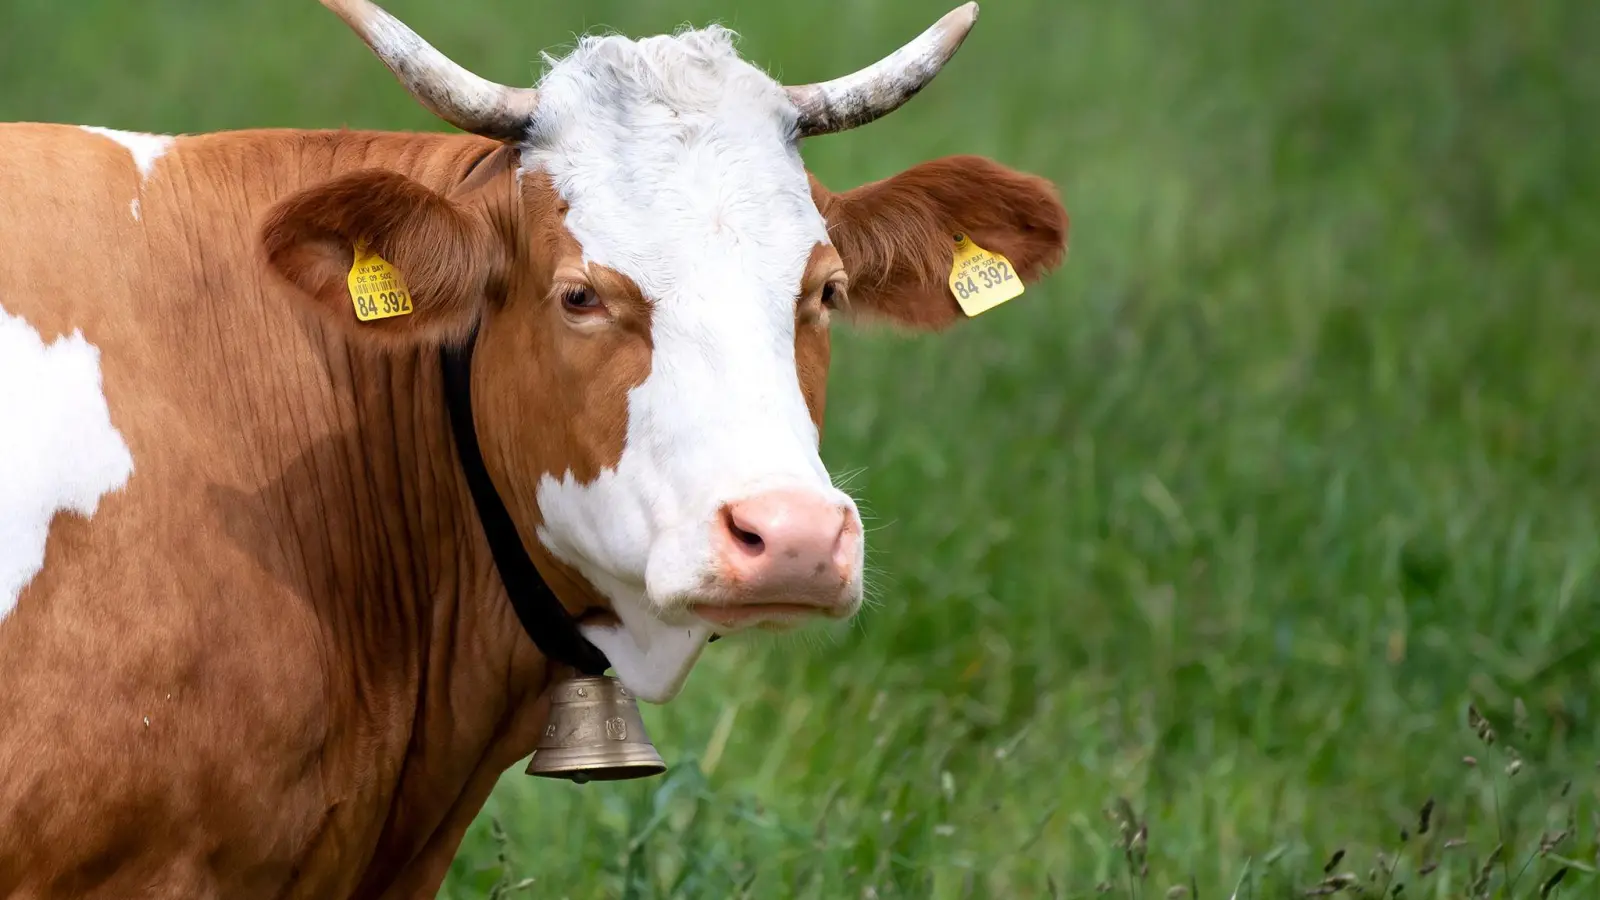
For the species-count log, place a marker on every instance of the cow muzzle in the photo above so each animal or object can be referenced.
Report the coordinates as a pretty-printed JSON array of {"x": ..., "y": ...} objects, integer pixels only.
[{"x": 780, "y": 557}]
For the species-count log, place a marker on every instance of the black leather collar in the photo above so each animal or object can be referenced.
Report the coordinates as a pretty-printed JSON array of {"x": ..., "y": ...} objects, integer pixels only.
[{"x": 543, "y": 617}]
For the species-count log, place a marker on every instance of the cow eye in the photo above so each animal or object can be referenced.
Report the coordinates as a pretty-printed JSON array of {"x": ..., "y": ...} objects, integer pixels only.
[
  {"x": 580, "y": 299},
  {"x": 831, "y": 293}
]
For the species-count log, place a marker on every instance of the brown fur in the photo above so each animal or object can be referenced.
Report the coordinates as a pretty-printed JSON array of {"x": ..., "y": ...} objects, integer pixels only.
[
  {"x": 280, "y": 662},
  {"x": 897, "y": 236},
  {"x": 292, "y": 589},
  {"x": 447, "y": 254},
  {"x": 812, "y": 345},
  {"x": 551, "y": 369},
  {"x": 488, "y": 252}
]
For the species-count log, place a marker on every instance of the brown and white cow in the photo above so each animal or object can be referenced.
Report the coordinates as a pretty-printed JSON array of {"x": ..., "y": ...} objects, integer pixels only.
[{"x": 252, "y": 642}]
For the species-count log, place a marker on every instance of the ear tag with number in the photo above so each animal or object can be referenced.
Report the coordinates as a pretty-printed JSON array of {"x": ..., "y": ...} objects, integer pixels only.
[
  {"x": 376, "y": 287},
  {"x": 981, "y": 279}
]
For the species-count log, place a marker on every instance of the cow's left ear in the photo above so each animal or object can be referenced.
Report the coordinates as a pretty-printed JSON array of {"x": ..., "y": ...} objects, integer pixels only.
[
  {"x": 444, "y": 250},
  {"x": 897, "y": 236}
]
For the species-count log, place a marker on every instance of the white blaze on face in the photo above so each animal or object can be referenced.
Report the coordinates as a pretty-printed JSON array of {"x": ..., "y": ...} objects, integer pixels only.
[
  {"x": 58, "y": 449},
  {"x": 145, "y": 149},
  {"x": 675, "y": 158}
]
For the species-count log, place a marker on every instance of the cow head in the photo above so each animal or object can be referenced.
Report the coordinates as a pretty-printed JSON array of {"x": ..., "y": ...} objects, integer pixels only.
[{"x": 653, "y": 274}]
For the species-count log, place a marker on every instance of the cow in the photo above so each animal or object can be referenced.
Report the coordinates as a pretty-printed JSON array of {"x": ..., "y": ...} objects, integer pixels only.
[{"x": 253, "y": 640}]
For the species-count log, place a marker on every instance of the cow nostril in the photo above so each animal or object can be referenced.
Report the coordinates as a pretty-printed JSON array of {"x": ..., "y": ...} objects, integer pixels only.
[{"x": 749, "y": 539}]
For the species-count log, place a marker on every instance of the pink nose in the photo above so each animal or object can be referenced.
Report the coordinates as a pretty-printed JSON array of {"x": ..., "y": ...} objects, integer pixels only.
[{"x": 788, "y": 547}]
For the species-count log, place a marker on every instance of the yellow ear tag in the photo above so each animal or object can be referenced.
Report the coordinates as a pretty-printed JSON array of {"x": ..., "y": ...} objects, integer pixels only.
[
  {"x": 981, "y": 279},
  {"x": 376, "y": 286}
]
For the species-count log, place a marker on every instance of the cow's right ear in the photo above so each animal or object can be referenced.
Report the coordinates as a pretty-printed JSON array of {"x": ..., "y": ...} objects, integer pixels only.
[{"x": 444, "y": 250}]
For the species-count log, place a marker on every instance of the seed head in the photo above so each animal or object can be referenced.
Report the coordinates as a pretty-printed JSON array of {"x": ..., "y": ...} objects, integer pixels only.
[
  {"x": 1333, "y": 884},
  {"x": 1549, "y": 842},
  {"x": 1480, "y": 726}
]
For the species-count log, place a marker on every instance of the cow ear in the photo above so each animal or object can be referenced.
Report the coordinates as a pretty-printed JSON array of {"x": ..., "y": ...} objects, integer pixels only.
[
  {"x": 897, "y": 237},
  {"x": 442, "y": 249}
]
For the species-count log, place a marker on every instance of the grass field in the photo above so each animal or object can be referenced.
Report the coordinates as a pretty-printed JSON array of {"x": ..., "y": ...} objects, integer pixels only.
[{"x": 1233, "y": 517}]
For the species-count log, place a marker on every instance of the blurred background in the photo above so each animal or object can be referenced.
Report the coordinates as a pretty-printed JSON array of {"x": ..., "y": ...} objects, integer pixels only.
[{"x": 1294, "y": 459}]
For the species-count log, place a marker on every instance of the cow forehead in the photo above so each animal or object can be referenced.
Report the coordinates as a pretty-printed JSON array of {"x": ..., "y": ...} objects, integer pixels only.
[{"x": 676, "y": 161}]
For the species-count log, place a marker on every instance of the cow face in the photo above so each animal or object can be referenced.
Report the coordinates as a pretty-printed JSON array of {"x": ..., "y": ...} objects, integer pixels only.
[{"x": 653, "y": 274}]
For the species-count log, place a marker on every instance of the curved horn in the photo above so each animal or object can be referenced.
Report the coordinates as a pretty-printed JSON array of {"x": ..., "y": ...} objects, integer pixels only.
[
  {"x": 881, "y": 88},
  {"x": 452, "y": 93}
]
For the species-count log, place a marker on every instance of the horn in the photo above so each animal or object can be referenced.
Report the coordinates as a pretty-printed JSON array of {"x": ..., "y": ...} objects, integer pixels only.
[
  {"x": 594, "y": 733},
  {"x": 452, "y": 93},
  {"x": 883, "y": 87}
]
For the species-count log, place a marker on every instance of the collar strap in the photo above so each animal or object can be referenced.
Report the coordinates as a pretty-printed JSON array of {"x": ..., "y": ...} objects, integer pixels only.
[{"x": 543, "y": 617}]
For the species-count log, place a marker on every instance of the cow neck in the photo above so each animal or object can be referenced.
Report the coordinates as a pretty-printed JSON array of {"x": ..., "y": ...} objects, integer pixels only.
[{"x": 543, "y": 617}]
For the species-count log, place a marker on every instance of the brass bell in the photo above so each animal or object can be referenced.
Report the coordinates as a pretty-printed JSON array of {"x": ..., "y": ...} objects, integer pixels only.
[{"x": 594, "y": 733}]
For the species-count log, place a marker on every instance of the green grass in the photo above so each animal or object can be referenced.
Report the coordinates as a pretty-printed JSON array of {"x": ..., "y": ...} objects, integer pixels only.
[{"x": 1296, "y": 457}]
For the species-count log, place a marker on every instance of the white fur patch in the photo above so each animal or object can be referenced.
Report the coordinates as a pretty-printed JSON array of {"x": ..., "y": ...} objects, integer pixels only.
[
  {"x": 676, "y": 159},
  {"x": 651, "y": 657},
  {"x": 145, "y": 148},
  {"x": 58, "y": 449}
]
